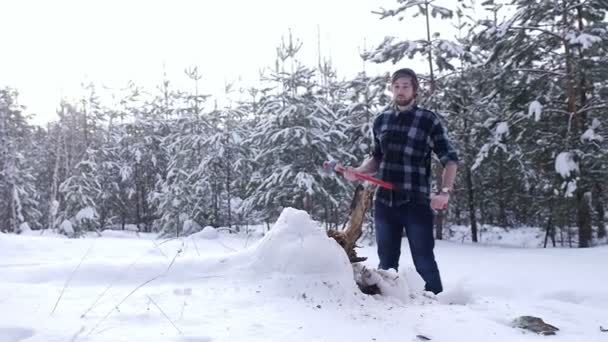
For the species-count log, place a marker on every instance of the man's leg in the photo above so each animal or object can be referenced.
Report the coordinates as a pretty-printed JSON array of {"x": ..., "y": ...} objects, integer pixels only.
[
  {"x": 388, "y": 236},
  {"x": 419, "y": 229}
]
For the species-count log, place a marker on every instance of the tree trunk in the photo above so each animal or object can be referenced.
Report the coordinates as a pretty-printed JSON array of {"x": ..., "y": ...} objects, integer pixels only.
[
  {"x": 471, "y": 202},
  {"x": 215, "y": 195},
  {"x": 583, "y": 204},
  {"x": 53, "y": 203},
  {"x": 502, "y": 205},
  {"x": 138, "y": 209},
  {"x": 598, "y": 200},
  {"x": 550, "y": 231},
  {"x": 229, "y": 198}
]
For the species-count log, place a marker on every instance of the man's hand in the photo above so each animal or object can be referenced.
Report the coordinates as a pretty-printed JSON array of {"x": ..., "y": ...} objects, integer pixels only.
[
  {"x": 440, "y": 201},
  {"x": 349, "y": 173}
]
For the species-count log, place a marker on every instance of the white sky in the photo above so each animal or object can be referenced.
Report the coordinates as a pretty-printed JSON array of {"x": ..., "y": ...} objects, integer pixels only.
[{"x": 51, "y": 47}]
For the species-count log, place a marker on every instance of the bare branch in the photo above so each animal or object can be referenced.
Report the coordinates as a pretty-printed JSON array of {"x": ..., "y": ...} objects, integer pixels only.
[
  {"x": 537, "y": 29},
  {"x": 164, "y": 314}
]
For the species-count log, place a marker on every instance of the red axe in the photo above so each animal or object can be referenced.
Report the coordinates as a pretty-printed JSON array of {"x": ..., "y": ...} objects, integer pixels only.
[{"x": 339, "y": 168}]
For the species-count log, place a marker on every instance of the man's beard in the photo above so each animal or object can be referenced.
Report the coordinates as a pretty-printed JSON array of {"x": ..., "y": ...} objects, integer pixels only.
[{"x": 404, "y": 102}]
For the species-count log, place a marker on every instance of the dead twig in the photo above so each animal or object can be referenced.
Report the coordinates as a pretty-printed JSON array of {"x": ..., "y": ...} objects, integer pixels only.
[
  {"x": 164, "y": 314},
  {"x": 135, "y": 290},
  {"x": 119, "y": 276},
  {"x": 195, "y": 246},
  {"x": 71, "y": 276}
]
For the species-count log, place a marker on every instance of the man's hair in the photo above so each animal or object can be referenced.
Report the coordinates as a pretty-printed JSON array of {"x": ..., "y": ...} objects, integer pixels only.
[{"x": 406, "y": 72}]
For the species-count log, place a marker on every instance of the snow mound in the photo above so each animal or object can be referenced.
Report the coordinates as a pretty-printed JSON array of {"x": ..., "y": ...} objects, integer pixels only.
[
  {"x": 297, "y": 245},
  {"x": 295, "y": 259},
  {"x": 303, "y": 260},
  {"x": 208, "y": 233}
]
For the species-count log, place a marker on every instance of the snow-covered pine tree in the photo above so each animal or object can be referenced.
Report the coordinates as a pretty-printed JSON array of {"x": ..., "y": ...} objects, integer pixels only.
[
  {"x": 40, "y": 158},
  {"x": 141, "y": 160},
  {"x": 439, "y": 53},
  {"x": 297, "y": 130},
  {"x": 182, "y": 193},
  {"x": 82, "y": 194},
  {"x": 556, "y": 48},
  {"x": 226, "y": 161},
  {"x": 19, "y": 201},
  {"x": 357, "y": 102},
  {"x": 93, "y": 116}
]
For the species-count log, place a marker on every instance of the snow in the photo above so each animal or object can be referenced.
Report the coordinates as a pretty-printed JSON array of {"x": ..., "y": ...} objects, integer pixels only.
[
  {"x": 87, "y": 213},
  {"x": 119, "y": 234},
  {"x": 590, "y": 134},
  {"x": 502, "y": 130},
  {"x": 451, "y": 47},
  {"x": 54, "y": 207},
  {"x": 481, "y": 156},
  {"x": 297, "y": 245},
  {"x": 495, "y": 236},
  {"x": 535, "y": 108},
  {"x": 569, "y": 188},
  {"x": 207, "y": 233},
  {"x": 24, "y": 228},
  {"x": 191, "y": 226},
  {"x": 292, "y": 284},
  {"x": 66, "y": 227},
  {"x": 583, "y": 39},
  {"x": 565, "y": 165}
]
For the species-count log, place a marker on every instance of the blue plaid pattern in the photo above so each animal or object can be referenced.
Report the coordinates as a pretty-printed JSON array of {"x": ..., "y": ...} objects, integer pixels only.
[{"x": 403, "y": 142}]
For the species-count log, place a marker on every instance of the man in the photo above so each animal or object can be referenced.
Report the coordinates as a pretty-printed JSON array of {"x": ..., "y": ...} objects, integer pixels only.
[{"x": 404, "y": 136}]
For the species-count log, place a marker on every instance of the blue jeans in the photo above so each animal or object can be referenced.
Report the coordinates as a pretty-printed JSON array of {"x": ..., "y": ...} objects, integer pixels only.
[{"x": 417, "y": 218}]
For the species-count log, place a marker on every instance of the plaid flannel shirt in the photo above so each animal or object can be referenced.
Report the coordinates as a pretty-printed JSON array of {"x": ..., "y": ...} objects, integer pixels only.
[{"x": 403, "y": 142}]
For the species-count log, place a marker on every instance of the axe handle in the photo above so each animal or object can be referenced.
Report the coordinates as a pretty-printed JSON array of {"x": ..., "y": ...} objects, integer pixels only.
[{"x": 362, "y": 176}]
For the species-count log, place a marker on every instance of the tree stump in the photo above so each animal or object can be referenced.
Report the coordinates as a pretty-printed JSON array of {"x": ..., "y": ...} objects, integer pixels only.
[
  {"x": 347, "y": 238},
  {"x": 369, "y": 280}
]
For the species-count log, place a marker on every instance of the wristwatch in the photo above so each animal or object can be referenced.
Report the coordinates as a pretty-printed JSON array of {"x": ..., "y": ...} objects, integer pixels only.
[{"x": 445, "y": 190}]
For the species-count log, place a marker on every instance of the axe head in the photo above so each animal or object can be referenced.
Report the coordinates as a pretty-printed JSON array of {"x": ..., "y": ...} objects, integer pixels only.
[{"x": 330, "y": 165}]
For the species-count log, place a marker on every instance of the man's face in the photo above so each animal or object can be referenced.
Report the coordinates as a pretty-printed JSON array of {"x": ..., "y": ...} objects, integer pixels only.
[{"x": 403, "y": 91}]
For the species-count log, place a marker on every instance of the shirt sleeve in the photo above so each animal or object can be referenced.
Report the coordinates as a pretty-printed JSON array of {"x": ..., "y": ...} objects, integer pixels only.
[{"x": 442, "y": 146}]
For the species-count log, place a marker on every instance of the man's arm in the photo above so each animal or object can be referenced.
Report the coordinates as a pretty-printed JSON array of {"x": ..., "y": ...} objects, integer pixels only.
[
  {"x": 369, "y": 166},
  {"x": 440, "y": 201},
  {"x": 449, "y": 174}
]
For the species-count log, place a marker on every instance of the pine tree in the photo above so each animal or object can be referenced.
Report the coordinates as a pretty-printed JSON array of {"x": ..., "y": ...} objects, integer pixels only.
[
  {"x": 295, "y": 134},
  {"x": 19, "y": 202},
  {"x": 556, "y": 49}
]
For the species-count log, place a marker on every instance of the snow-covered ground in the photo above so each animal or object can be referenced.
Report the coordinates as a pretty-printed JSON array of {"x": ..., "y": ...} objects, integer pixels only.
[{"x": 293, "y": 284}]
